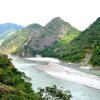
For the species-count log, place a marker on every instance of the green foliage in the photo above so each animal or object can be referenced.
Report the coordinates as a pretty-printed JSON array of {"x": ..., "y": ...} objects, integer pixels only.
[
  {"x": 53, "y": 31},
  {"x": 14, "y": 85},
  {"x": 58, "y": 49},
  {"x": 74, "y": 47},
  {"x": 95, "y": 60},
  {"x": 13, "y": 97},
  {"x": 28, "y": 49},
  {"x": 53, "y": 93},
  {"x": 15, "y": 42},
  {"x": 70, "y": 46},
  {"x": 54, "y": 27},
  {"x": 24, "y": 42},
  {"x": 7, "y": 29},
  {"x": 88, "y": 41},
  {"x": 4, "y": 61}
]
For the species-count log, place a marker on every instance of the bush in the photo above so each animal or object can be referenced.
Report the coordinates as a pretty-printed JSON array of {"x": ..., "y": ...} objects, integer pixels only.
[{"x": 53, "y": 93}]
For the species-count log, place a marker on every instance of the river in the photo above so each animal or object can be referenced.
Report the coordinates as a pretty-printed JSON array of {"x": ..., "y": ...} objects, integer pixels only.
[{"x": 42, "y": 79}]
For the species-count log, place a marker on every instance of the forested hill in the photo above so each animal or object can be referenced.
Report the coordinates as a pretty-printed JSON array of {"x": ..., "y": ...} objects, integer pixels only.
[
  {"x": 52, "y": 32},
  {"x": 87, "y": 43},
  {"x": 32, "y": 39},
  {"x": 57, "y": 39},
  {"x": 16, "y": 41}
]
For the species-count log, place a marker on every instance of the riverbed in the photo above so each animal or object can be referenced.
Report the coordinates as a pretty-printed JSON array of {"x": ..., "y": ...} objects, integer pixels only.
[{"x": 42, "y": 79}]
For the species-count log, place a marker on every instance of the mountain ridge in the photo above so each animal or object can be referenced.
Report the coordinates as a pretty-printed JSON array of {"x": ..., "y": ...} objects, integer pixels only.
[
  {"x": 6, "y": 26},
  {"x": 7, "y": 29},
  {"x": 59, "y": 39},
  {"x": 18, "y": 39},
  {"x": 52, "y": 32},
  {"x": 85, "y": 45}
]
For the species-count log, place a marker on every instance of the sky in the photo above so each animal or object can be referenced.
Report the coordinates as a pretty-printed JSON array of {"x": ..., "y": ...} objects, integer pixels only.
[{"x": 79, "y": 13}]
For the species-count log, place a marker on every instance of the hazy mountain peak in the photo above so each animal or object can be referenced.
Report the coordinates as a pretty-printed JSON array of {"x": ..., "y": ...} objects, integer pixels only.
[
  {"x": 56, "y": 23},
  {"x": 35, "y": 25},
  {"x": 57, "y": 18},
  {"x": 9, "y": 26}
]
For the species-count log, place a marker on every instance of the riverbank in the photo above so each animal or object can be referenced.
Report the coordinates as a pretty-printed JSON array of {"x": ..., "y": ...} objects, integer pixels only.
[
  {"x": 70, "y": 74},
  {"x": 42, "y": 79},
  {"x": 46, "y": 59}
]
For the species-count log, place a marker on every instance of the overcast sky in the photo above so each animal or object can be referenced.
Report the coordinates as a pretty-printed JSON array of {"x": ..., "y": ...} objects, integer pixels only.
[{"x": 79, "y": 13}]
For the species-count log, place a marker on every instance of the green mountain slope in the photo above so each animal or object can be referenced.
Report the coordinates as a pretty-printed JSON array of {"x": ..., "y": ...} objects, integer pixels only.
[
  {"x": 87, "y": 43},
  {"x": 5, "y": 35},
  {"x": 14, "y": 85},
  {"x": 57, "y": 49},
  {"x": 7, "y": 30},
  {"x": 54, "y": 31},
  {"x": 15, "y": 42},
  {"x": 56, "y": 26}
]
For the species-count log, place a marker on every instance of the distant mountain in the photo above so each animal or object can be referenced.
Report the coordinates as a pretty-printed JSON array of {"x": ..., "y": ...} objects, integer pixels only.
[
  {"x": 9, "y": 26},
  {"x": 56, "y": 26},
  {"x": 8, "y": 29},
  {"x": 55, "y": 30},
  {"x": 17, "y": 40},
  {"x": 85, "y": 48}
]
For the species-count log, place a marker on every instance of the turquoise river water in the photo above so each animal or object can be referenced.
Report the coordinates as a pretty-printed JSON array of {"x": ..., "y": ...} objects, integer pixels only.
[{"x": 41, "y": 79}]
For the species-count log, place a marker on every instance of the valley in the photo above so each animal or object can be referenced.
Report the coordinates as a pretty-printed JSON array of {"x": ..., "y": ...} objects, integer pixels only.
[
  {"x": 43, "y": 74},
  {"x": 56, "y": 39},
  {"x": 55, "y": 54}
]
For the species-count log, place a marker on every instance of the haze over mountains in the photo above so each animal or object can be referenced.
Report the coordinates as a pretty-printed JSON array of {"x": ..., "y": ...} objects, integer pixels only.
[
  {"x": 56, "y": 39},
  {"x": 9, "y": 26},
  {"x": 8, "y": 29}
]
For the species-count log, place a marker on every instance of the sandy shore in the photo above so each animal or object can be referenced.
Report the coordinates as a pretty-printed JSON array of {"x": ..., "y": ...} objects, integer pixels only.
[
  {"x": 47, "y": 59},
  {"x": 71, "y": 74}
]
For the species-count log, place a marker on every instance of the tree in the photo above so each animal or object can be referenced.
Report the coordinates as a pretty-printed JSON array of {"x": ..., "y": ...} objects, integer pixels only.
[
  {"x": 4, "y": 61},
  {"x": 53, "y": 93}
]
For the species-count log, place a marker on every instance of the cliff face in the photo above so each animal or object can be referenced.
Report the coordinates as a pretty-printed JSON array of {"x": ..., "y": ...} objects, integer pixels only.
[{"x": 55, "y": 30}]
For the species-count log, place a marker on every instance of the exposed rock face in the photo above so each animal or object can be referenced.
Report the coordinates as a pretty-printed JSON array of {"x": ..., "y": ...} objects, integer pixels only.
[
  {"x": 20, "y": 38},
  {"x": 43, "y": 37},
  {"x": 34, "y": 38},
  {"x": 85, "y": 61},
  {"x": 32, "y": 42},
  {"x": 46, "y": 41}
]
